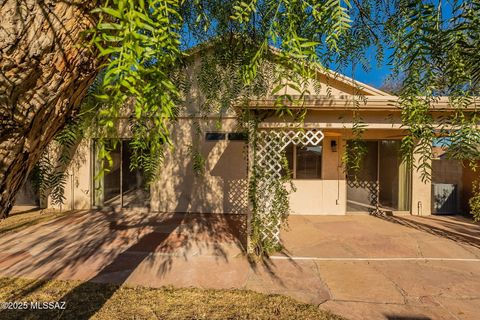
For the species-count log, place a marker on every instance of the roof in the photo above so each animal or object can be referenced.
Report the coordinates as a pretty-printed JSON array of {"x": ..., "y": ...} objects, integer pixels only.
[
  {"x": 365, "y": 97},
  {"x": 356, "y": 85},
  {"x": 368, "y": 103},
  {"x": 332, "y": 76}
]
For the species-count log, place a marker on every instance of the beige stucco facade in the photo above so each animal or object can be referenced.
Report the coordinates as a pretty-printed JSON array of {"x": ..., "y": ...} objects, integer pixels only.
[{"x": 222, "y": 187}]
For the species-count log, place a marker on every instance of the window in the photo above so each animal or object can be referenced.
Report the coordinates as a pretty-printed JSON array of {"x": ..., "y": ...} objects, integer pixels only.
[
  {"x": 215, "y": 136},
  {"x": 232, "y": 136},
  {"x": 305, "y": 162},
  {"x": 237, "y": 136}
]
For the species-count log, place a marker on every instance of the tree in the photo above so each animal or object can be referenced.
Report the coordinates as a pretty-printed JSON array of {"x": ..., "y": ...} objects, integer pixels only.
[
  {"x": 436, "y": 51},
  {"x": 46, "y": 69},
  {"x": 46, "y": 66},
  {"x": 392, "y": 85},
  {"x": 45, "y": 73}
]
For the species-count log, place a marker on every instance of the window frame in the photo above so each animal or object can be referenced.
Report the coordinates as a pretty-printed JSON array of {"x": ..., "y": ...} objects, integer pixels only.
[{"x": 295, "y": 160}]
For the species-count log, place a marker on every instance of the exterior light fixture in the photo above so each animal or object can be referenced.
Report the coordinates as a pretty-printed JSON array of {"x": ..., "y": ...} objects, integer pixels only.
[{"x": 333, "y": 145}]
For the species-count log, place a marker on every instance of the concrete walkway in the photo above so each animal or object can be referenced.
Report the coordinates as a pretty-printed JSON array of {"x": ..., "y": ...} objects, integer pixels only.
[{"x": 361, "y": 267}]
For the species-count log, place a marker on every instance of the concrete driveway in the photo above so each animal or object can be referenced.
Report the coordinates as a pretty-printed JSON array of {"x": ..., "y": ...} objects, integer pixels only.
[{"x": 361, "y": 267}]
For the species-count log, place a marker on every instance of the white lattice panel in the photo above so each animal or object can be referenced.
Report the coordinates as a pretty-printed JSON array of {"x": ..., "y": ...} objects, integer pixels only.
[{"x": 270, "y": 148}]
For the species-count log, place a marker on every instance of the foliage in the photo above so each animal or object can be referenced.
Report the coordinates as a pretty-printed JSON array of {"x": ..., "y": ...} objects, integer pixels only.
[
  {"x": 392, "y": 85},
  {"x": 50, "y": 174},
  {"x": 50, "y": 179},
  {"x": 268, "y": 214},
  {"x": 144, "y": 155},
  {"x": 353, "y": 155},
  {"x": 434, "y": 53},
  {"x": 356, "y": 149},
  {"x": 474, "y": 201},
  {"x": 198, "y": 160},
  {"x": 280, "y": 209},
  {"x": 141, "y": 43}
]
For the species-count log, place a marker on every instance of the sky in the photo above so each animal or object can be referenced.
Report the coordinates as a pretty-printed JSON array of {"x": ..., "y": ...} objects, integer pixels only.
[
  {"x": 378, "y": 72},
  {"x": 375, "y": 77}
]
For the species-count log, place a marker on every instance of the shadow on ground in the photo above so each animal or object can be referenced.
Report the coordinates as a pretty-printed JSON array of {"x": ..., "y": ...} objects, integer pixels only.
[
  {"x": 111, "y": 245},
  {"x": 459, "y": 231}
]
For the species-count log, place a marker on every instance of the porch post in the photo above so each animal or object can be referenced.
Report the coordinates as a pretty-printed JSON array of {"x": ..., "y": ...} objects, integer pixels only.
[
  {"x": 421, "y": 191},
  {"x": 250, "y": 167}
]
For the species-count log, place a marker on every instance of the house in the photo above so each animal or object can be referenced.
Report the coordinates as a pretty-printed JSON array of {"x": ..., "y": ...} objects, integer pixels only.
[{"x": 322, "y": 186}]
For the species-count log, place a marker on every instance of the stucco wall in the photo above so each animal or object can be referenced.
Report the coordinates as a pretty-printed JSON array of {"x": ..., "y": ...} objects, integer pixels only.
[
  {"x": 222, "y": 187},
  {"x": 468, "y": 177},
  {"x": 421, "y": 193},
  {"x": 326, "y": 195},
  {"x": 78, "y": 186}
]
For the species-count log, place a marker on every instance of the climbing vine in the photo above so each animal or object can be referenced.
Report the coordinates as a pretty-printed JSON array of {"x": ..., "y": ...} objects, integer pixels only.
[
  {"x": 474, "y": 201},
  {"x": 268, "y": 196}
]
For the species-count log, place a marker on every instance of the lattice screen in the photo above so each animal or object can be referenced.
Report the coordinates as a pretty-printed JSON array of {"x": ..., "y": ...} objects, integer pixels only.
[{"x": 267, "y": 159}]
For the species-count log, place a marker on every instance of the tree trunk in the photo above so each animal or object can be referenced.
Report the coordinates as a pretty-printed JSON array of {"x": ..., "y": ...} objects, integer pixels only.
[{"x": 44, "y": 74}]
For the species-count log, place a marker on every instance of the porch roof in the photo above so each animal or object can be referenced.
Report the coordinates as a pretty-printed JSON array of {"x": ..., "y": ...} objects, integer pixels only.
[{"x": 347, "y": 102}]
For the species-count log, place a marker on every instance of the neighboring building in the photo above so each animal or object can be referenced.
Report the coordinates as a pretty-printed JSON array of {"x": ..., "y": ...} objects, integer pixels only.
[{"x": 322, "y": 187}]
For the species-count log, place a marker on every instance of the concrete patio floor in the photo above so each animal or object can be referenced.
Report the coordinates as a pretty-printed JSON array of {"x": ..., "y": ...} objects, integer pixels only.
[{"x": 361, "y": 267}]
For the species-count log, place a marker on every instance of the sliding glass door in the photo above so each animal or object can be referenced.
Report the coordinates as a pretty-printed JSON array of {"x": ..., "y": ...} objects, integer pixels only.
[
  {"x": 120, "y": 186},
  {"x": 383, "y": 180}
]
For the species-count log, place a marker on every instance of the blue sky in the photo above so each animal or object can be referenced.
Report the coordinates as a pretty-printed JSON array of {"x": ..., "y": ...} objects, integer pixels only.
[
  {"x": 374, "y": 77},
  {"x": 378, "y": 72}
]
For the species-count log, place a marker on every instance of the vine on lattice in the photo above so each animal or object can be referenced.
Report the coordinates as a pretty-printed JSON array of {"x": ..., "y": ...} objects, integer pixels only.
[{"x": 270, "y": 183}]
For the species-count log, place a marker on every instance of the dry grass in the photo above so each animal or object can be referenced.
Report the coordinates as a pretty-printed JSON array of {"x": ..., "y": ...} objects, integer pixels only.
[
  {"x": 106, "y": 301},
  {"x": 19, "y": 220}
]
